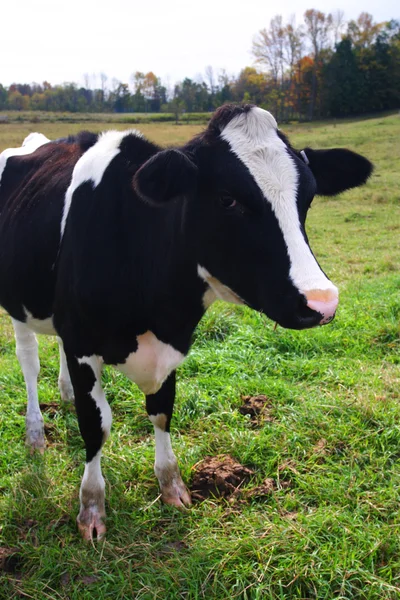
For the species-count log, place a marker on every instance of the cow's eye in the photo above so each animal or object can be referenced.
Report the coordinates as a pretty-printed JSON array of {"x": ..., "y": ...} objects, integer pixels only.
[{"x": 227, "y": 201}]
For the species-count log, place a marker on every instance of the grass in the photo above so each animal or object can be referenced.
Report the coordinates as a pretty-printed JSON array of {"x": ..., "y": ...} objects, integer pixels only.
[
  {"x": 332, "y": 531},
  {"x": 30, "y": 116}
]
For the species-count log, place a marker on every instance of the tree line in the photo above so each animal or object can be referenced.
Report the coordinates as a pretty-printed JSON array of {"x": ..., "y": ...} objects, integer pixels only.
[{"x": 323, "y": 67}]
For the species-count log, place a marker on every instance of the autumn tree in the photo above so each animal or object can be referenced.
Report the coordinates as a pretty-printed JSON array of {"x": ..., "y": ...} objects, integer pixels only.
[
  {"x": 318, "y": 27},
  {"x": 363, "y": 31}
]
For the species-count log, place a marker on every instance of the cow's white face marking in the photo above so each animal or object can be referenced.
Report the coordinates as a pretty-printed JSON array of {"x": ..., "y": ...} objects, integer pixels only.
[
  {"x": 151, "y": 364},
  {"x": 253, "y": 137},
  {"x": 31, "y": 143},
  {"x": 93, "y": 163},
  {"x": 216, "y": 289}
]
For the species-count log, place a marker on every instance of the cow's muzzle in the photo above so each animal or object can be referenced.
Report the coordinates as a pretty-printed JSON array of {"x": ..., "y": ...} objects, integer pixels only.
[{"x": 324, "y": 303}]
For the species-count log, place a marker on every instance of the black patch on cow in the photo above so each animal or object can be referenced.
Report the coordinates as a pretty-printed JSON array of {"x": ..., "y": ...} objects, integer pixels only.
[
  {"x": 162, "y": 402},
  {"x": 89, "y": 415},
  {"x": 32, "y": 195},
  {"x": 84, "y": 140},
  {"x": 224, "y": 114}
]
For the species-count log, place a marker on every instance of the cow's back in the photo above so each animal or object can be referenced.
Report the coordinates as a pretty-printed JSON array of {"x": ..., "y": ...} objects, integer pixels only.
[{"x": 32, "y": 192}]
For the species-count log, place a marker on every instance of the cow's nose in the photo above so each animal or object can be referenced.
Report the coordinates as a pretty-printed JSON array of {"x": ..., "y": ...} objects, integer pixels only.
[{"x": 324, "y": 302}]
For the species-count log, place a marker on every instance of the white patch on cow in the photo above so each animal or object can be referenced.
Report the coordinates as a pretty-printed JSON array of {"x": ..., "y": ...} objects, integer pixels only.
[
  {"x": 97, "y": 392},
  {"x": 92, "y": 497},
  {"x": 44, "y": 326},
  {"x": 151, "y": 364},
  {"x": 28, "y": 358},
  {"x": 165, "y": 464},
  {"x": 93, "y": 163},
  {"x": 253, "y": 137},
  {"x": 173, "y": 490},
  {"x": 92, "y": 481},
  {"x": 221, "y": 291},
  {"x": 31, "y": 143},
  {"x": 165, "y": 457}
]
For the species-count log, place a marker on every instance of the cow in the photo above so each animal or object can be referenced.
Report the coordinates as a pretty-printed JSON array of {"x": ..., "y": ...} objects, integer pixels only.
[{"x": 118, "y": 247}]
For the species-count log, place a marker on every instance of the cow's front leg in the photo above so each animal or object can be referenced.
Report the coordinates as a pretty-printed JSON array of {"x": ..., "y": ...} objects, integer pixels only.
[
  {"x": 94, "y": 417},
  {"x": 159, "y": 408}
]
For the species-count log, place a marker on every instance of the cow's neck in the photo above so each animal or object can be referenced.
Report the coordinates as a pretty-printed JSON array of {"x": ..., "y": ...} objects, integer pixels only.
[{"x": 180, "y": 302}]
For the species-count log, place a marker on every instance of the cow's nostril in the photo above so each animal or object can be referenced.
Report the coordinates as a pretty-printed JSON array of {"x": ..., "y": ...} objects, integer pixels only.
[{"x": 326, "y": 308}]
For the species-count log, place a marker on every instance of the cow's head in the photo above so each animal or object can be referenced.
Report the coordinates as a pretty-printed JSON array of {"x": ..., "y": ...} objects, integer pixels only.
[{"x": 248, "y": 192}]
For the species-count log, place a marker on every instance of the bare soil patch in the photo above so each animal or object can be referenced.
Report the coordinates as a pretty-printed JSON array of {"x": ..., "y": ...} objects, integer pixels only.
[
  {"x": 50, "y": 431},
  {"x": 259, "y": 408},
  {"x": 223, "y": 477},
  {"x": 50, "y": 408},
  {"x": 10, "y": 560},
  {"x": 219, "y": 476}
]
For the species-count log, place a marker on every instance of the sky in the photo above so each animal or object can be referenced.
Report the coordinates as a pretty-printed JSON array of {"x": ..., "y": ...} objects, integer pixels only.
[{"x": 61, "y": 41}]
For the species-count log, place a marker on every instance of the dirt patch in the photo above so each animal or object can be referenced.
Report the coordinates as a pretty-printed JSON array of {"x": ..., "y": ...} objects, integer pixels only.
[
  {"x": 178, "y": 546},
  {"x": 50, "y": 408},
  {"x": 50, "y": 432},
  {"x": 259, "y": 408},
  {"x": 28, "y": 531},
  {"x": 220, "y": 477},
  {"x": 268, "y": 487},
  {"x": 66, "y": 579},
  {"x": 10, "y": 560}
]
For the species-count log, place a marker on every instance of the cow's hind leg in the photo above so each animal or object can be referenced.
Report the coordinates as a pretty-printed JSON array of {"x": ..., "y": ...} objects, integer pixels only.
[
  {"x": 64, "y": 380},
  {"x": 28, "y": 357},
  {"x": 159, "y": 408},
  {"x": 94, "y": 417}
]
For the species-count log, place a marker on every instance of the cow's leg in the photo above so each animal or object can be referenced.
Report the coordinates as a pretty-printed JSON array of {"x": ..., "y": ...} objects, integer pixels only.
[
  {"x": 64, "y": 380},
  {"x": 159, "y": 408},
  {"x": 28, "y": 357},
  {"x": 94, "y": 417}
]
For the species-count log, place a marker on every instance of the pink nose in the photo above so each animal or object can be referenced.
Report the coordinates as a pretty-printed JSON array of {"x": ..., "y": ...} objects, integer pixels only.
[{"x": 323, "y": 301}]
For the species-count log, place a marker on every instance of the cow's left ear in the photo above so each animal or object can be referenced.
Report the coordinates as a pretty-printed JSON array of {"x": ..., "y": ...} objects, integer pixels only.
[
  {"x": 165, "y": 176},
  {"x": 337, "y": 170}
]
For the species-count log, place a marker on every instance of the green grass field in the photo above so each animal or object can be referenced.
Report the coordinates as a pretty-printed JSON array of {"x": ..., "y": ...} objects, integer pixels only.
[{"x": 330, "y": 528}]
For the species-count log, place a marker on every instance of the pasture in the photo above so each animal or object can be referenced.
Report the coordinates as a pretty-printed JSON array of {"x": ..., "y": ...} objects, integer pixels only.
[{"x": 319, "y": 516}]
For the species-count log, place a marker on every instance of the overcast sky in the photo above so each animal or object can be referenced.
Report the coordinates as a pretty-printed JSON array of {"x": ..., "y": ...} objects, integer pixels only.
[{"x": 58, "y": 42}]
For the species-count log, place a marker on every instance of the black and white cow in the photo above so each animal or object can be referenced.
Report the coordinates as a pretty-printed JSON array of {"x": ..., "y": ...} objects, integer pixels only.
[{"x": 118, "y": 247}]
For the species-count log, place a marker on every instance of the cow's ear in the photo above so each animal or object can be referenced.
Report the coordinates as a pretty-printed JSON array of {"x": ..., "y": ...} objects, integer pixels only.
[
  {"x": 165, "y": 176},
  {"x": 337, "y": 170}
]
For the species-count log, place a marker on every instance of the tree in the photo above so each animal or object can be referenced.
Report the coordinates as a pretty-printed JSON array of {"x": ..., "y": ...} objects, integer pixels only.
[
  {"x": 363, "y": 32},
  {"x": 318, "y": 27},
  {"x": 17, "y": 101},
  {"x": 338, "y": 24},
  {"x": 342, "y": 81},
  {"x": 268, "y": 48}
]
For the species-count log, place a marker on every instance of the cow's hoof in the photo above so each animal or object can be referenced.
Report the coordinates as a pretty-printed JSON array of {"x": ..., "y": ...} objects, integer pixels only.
[
  {"x": 36, "y": 449},
  {"x": 35, "y": 440},
  {"x": 66, "y": 390},
  {"x": 90, "y": 524},
  {"x": 176, "y": 494}
]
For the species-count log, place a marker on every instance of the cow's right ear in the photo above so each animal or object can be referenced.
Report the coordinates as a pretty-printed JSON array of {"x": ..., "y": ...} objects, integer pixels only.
[{"x": 165, "y": 176}]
